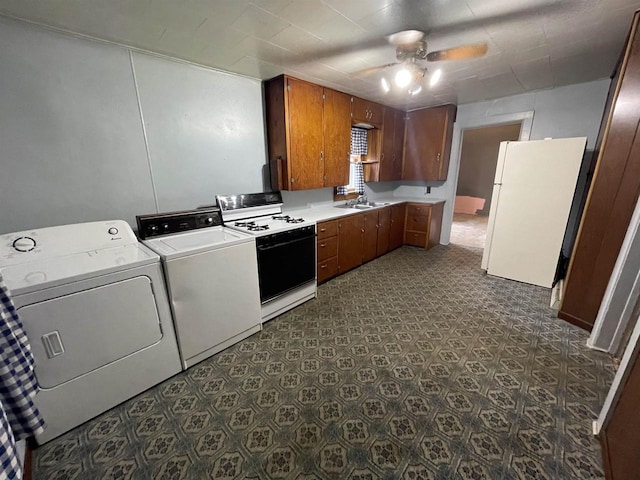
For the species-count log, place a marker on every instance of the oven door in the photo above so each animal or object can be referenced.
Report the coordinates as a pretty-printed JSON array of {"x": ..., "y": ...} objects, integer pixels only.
[{"x": 286, "y": 260}]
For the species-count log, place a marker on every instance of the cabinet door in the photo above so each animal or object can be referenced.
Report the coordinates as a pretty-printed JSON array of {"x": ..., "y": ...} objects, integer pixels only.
[
  {"x": 387, "y": 150},
  {"x": 396, "y": 233},
  {"x": 376, "y": 113},
  {"x": 359, "y": 109},
  {"x": 435, "y": 226},
  {"x": 350, "y": 230},
  {"x": 398, "y": 144},
  {"x": 305, "y": 135},
  {"x": 384, "y": 226},
  {"x": 427, "y": 143},
  {"x": 337, "y": 137},
  {"x": 370, "y": 237}
]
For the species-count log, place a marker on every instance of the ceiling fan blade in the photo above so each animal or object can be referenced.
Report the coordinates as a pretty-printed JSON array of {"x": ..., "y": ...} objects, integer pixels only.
[
  {"x": 370, "y": 70},
  {"x": 458, "y": 53}
]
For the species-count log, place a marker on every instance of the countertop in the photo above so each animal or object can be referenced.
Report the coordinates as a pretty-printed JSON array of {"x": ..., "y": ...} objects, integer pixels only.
[{"x": 325, "y": 212}]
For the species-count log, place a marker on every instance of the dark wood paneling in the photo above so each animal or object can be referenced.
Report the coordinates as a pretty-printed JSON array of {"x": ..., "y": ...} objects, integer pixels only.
[
  {"x": 370, "y": 236},
  {"x": 350, "y": 242},
  {"x": 620, "y": 437},
  {"x": 305, "y": 134},
  {"x": 612, "y": 198},
  {"x": 337, "y": 137},
  {"x": 396, "y": 235},
  {"x": 384, "y": 227}
]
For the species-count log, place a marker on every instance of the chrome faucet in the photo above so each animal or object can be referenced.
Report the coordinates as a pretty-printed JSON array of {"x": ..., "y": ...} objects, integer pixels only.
[{"x": 361, "y": 199}]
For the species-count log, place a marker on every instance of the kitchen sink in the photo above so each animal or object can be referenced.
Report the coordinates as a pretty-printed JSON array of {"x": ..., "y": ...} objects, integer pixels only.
[{"x": 364, "y": 206}]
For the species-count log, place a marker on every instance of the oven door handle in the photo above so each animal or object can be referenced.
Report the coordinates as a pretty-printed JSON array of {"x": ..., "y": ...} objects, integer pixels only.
[{"x": 281, "y": 244}]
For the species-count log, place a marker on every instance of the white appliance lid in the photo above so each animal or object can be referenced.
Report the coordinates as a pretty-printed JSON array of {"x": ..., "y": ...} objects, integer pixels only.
[
  {"x": 196, "y": 241},
  {"x": 46, "y": 257}
]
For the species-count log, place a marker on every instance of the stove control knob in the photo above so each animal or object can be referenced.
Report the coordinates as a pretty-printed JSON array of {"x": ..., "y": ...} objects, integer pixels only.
[
  {"x": 24, "y": 244},
  {"x": 209, "y": 220},
  {"x": 113, "y": 231},
  {"x": 153, "y": 228}
]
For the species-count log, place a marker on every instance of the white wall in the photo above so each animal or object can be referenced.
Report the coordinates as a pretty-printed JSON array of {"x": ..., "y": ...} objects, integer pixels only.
[
  {"x": 570, "y": 111},
  {"x": 72, "y": 143}
]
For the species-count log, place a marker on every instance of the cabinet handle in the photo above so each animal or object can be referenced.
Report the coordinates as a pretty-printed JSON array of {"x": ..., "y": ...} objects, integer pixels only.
[
  {"x": 362, "y": 230},
  {"x": 382, "y": 156},
  {"x": 323, "y": 266},
  {"x": 323, "y": 229},
  {"x": 323, "y": 244},
  {"x": 438, "y": 158}
]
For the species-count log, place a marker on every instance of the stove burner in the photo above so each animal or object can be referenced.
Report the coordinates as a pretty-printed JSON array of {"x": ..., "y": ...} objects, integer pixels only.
[
  {"x": 244, "y": 224},
  {"x": 281, "y": 217},
  {"x": 294, "y": 220},
  {"x": 257, "y": 228}
]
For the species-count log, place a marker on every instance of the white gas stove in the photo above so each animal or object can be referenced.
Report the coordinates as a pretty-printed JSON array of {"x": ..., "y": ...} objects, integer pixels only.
[
  {"x": 258, "y": 214},
  {"x": 286, "y": 248}
]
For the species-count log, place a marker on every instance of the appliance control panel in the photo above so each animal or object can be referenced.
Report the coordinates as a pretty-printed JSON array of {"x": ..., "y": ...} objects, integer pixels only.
[{"x": 154, "y": 225}]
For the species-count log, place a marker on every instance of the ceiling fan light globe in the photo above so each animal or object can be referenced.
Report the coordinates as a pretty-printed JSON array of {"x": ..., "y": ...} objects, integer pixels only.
[
  {"x": 415, "y": 90},
  {"x": 403, "y": 78},
  {"x": 435, "y": 77},
  {"x": 385, "y": 85}
]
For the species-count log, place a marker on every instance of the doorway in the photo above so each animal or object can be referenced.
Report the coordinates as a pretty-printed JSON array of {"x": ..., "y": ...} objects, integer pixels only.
[{"x": 478, "y": 159}]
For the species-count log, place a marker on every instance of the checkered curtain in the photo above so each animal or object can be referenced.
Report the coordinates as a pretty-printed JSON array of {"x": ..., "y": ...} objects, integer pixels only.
[
  {"x": 19, "y": 418},
  {"x": 358, "y": 141}
]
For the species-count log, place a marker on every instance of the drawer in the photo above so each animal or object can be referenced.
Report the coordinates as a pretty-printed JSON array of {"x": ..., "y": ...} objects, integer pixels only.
[
  {"x": 327, "y": 248},
  {"x": 418, "y": 223},
  {"x": 416, "y": 239},
  {"x": 414, "y": 210},
  {"x": 327, "y": 229},
  {"x": 327, "y": 269}
]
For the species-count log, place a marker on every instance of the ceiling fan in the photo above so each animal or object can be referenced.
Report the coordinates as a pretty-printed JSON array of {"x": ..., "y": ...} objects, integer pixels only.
[{"x": 411, "y": 49}]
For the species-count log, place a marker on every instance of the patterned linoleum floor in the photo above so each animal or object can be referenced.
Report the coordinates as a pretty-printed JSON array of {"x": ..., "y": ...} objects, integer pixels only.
[
  {"x": 414, "y": 366},
  {"x": 469, "y": 230}
]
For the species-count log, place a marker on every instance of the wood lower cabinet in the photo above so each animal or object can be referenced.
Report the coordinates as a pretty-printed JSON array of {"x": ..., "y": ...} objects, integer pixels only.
[
  {"x": 396, "y": 232},
  {"x": 327, "y": 250},
  {"x": 370, "y": 236},
  {"x": 308, "y": 134},
  {"x": 384, "y": 228},
  {"x": 350, "y": 230},
  {"x": 423, "y": 224},
  {"x": 427, "y": 143}
]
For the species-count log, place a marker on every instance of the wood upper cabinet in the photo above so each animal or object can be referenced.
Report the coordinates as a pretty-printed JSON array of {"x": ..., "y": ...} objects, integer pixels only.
[
  {"x": 427, "y": 143},
  {"x": 308, "y": 134},
  {"x": 392, "y": 145},
  {"x": 366, "y": 111},
  {"x": 350, "y": 230},
  {"x": 337, "y": 137},
  {"x": 370, "y": 236},
  {"x": 384, "y": 227},
  {"x": 396, "y": 233}
]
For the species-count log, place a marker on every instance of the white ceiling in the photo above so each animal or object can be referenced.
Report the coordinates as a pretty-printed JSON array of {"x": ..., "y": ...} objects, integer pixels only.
[{"x": 533, "y": 44}]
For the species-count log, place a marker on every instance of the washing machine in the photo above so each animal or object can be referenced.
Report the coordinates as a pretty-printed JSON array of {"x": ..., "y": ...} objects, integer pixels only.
[
  {"x": 94, "y": 306},
  {"x": 212, "y": 279}
]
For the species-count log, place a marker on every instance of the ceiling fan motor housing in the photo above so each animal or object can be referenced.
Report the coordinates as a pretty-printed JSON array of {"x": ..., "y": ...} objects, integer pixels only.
[{"x": 417, "y": 50}]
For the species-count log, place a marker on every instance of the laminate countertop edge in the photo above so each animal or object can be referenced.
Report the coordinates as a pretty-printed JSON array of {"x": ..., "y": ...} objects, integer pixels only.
[{"x": 331, "y": 212}]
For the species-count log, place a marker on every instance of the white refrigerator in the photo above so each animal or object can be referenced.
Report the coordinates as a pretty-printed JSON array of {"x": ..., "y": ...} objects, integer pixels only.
[{"x": 533, "y": 191}]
